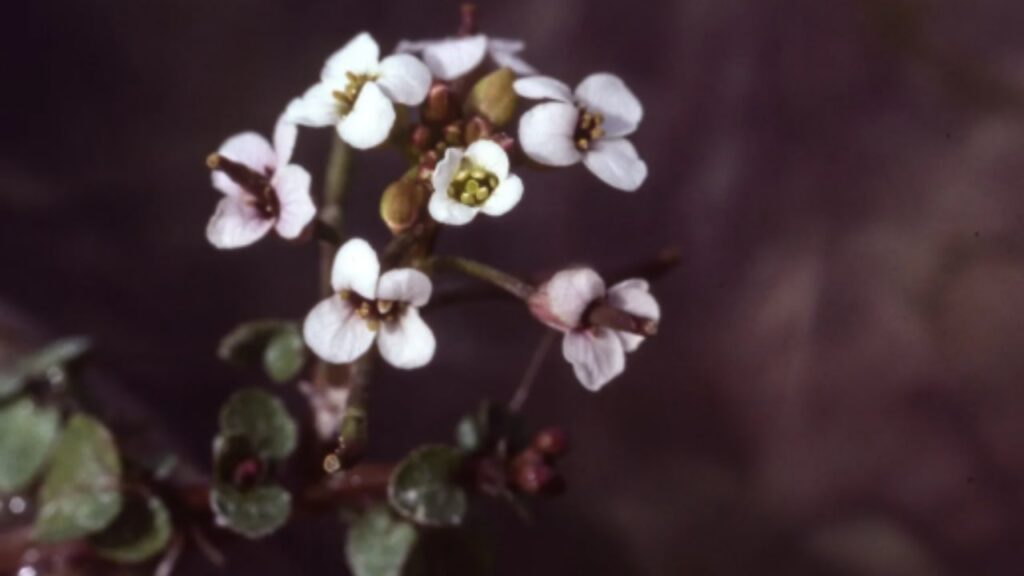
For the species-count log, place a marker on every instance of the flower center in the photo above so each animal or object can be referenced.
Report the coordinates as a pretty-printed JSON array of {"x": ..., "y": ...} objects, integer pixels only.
[
  {"x": 589, "y": 127},
  {"x": 472, "y": 185},
  {"x": 347, "y": 98},
  {"x": 373, "y": 312},
  {"x": 260, "y": 192}
]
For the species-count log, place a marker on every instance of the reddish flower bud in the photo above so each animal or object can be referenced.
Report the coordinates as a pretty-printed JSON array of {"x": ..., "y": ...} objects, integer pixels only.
[
  {"x": 421, "y": 138},
  {"x": 247, "y": 472},
  {"x": 476, "y": 129},
  {"x": 440, "y": 105},
  {"x": 551, "y": 442}
]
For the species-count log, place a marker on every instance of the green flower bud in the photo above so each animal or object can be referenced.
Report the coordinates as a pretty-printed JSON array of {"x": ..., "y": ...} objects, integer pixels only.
[
  {"x": 493, "y": 97},
  {"x": 401, "y": 204}
]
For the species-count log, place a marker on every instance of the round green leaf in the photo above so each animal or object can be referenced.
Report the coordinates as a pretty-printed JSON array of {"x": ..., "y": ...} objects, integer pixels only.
[
  {"x": 285, "y": 354},
  {"x": 141, "y": 531},
  {"x": 27, "y": 435},
  {"x": 253, "y": 513},
  {"x": 81, "y": 492},
  {"x": 424, "y": 487},
  {"x": 261, "y": 419},
  {"x": 379, "y": 544}
]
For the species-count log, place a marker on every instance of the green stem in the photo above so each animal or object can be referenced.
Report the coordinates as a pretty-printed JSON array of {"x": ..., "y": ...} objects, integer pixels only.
[
  {"x": 336, "y": 179},
  {"x": 481, "y": 271}
]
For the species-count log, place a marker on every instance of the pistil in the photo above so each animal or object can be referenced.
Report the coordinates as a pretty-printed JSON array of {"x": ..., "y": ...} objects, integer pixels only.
[{"x": 260, "y": 190}]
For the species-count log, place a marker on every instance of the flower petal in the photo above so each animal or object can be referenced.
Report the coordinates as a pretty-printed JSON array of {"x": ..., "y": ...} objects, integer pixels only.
[
  {"x": 608, "y": 94},
  {"x": 543, "y": 88},
  {"x": 316, "y": 108},
  {"x": 505, "y": 197},
  {"x": 446, "y": 169},
  {"x": 404, "y": 79},
  {"x": 371, "y": 119},
  {"x": 285, "y": 135},
  {"x": 634, "y": 296},
  {"x": 616, "y": 162},
  {"x": 407, "y": 342},
  {"x": 561, "y": 301},
  {"x": 405, "y": 46},
  {"x": 596, "y": 356},
  {"x": 360, "y": 56},
  {"x": 236, "y": 223},
  {"x": 513, "y": 62},
  {"x": 452, "y": 57},
  {"x": 250, "y": 149},
  {"x": 291, "y": 184},
  {"x": 489, "y": 156},
  {"x": 356, "y": 268},
  {"x": 334, "y": 332},
  {"x": 405, "y": 285},
  {"x": 546, "y": 134},
  {"x": 447, "y": 211}
]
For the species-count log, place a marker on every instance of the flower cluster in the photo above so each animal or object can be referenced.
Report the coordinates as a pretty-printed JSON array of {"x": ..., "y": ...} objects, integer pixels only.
[{"x": 462, "y": 92}]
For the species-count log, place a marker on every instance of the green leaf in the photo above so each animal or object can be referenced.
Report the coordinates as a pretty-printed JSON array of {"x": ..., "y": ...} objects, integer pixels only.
[
  {"x": 284, "y": 355},
  {"x": 253, "y": 513},
  {"x": 481, "y": 430},
  {"x": 141, "y": 531},
  {"x": 424, "y": 487},
  {"x": 27, "y": 435},
  {"x": 261, "y": 419},
  {"x": 276, "y": 345},
  {"x": 56, "y": 355},
  {"x": 81, "y": 493},
  {"x": 379, "y": 544}
]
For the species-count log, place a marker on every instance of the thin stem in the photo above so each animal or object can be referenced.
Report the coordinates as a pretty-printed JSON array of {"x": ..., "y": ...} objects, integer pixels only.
[
  {"x": 481, "y": 271},
  {"x": 336, "y": 179},
  {"x": 532, "y": 370}
]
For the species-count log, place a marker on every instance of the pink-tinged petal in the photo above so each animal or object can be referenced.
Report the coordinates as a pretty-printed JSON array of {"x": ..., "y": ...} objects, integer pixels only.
[
  {"x": 291, "y": 184},
  {"x": 371, "y": 119},
  {"x": 446, "y": 169},
  {"x": 447, "y": 211},
  {"x": 608, "y": 95},
  {"x": 334, "y": 332},
  {"x": 360, "y": 56},
  {"x": 561, "y": 301},
  {"x": 505, "y": 197},
  {"x": 405, "y": 285},
  {"x": 236, "y": 224},
  {"x": 408, "y": 342},
  {"x": 406, "y": 46},
  {"x": 285, "y": 135},
  {"x": 489, "y": 156},
  {"x": 452, "y": 57},
  {"x": 249, "y": 149},
  {"x": 404, "y": 79},
  {"x": 356, "y": 268},
  {"x": 634, "y": 296},
  {"x": 596, "y": 356},
  {"x": 505, "y": 45},
  {"x": 546, "y": 134},
  {"x": 543, "y": 88},
  {"x": 616, "y": 162},
  {"x": 316, "y": 108}
]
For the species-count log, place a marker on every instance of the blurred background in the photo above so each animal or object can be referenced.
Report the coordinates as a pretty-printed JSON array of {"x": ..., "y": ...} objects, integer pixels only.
[{"x": 836, "y": 388}]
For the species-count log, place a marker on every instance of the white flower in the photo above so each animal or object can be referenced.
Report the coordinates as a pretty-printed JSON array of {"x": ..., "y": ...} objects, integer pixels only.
[
  {"x": 473, "y": 180},
  {"x": 589, "y": 125},
  {"x": 357, "y": 92},
  {"x": 450, "y": 58},
  {"x": 369, "y": 305},
  {"x": 597, "y": 353},
  {"x": 262, "y": 190}
]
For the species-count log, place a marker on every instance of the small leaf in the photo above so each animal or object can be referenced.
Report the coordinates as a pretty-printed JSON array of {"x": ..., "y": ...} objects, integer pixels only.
[
  {"x": 284, "y": 355},
  {"x": 261, "y": 419},
  {"x": 56, "y": 355},
  {"x": 424, "y": 487},
  {"x": 81, "y": 493},
  {"x": 141, "y": 531},
  {"x": 379, "y": 544},
  {"x": 253, "y": 513},
  {"x": 27, "y": 435}
]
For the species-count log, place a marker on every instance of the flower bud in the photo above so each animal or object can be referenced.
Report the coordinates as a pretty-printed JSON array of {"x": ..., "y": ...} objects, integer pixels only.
[
  {"x": 477, "y": 128},
  {"x": 421, "y": 138},
  {"x": 493, "y": 97},
  {"x": 531, "y": 475},
  {"x": 401, "y": 204},
  {"x": 440, "y": 105},
  {"x": 550, "y": 442},
  {"x": 452, "y": 134}
]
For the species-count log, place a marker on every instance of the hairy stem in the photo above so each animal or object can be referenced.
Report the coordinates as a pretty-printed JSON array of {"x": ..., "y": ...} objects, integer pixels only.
[{"x": 480, "y": 271}]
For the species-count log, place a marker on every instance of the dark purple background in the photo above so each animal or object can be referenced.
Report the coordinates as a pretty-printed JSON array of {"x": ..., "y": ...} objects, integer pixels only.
[{"x": 837, "y": 386}]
